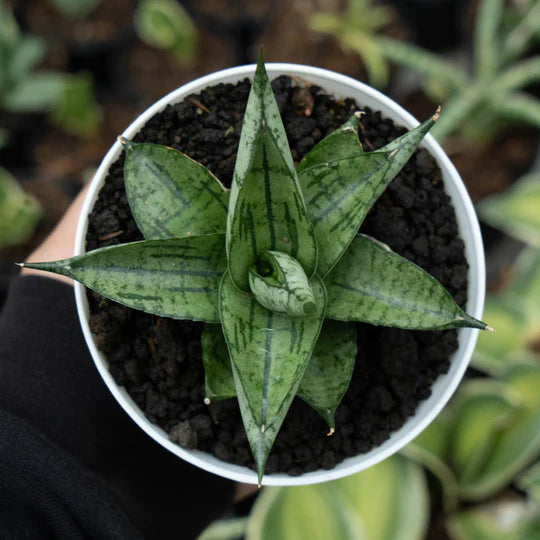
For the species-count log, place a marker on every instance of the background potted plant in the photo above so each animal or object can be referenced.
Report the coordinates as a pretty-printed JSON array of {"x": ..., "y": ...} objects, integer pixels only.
[{"x": 262, "y": 117}]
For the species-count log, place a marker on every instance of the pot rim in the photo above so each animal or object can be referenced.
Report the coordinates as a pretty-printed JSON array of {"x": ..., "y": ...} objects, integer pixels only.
[{"x": 445, "y": 385}]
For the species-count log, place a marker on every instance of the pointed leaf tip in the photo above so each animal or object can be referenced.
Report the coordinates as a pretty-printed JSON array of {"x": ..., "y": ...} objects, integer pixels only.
[
  {"x": 20, "y": 264},
  {"x": 435, "y": 117},
  {"x": 489, "y": 329}
]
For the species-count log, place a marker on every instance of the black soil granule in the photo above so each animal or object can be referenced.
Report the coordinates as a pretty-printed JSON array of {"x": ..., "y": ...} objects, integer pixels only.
[{"x": 159, "y": 360}]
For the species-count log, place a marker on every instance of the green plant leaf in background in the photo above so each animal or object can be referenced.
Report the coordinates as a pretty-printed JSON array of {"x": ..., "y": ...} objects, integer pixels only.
[
  {"x": 330, "y": 369},
  {"x": 386, "y": 289},
  {"x": 176, "y": 277},
  {"x": 76, "y": 9},
  {"x": 37, "y": 92},
  {"x": 529, "y": 481},
  {"x": 339, "y": 192},
  {"x": 316, "y": 512},
  {"x": 165, "y": 24},
  {"x": 19, "y": 212},
  {"x": 517, "y": 210},
  {"x": 269, "y": 354},
  {"x": 170, "y": 194}
]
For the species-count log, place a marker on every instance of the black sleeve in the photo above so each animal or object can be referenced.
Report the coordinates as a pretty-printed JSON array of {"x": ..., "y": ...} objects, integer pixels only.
[{"x": 49, "y": 382}]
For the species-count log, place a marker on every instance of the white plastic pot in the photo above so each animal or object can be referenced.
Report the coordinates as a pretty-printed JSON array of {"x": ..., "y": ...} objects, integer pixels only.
[{"x": 341, "y": 87}]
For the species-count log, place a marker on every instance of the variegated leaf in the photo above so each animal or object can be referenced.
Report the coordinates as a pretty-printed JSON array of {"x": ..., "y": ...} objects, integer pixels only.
[
  {"x": 373, "y": 284},
  {"x": 177, "y": 277},
  {"x": 343, "y": 143},
  {"x": 170, "y": 194},
  {"x": 218, "y": 377},
  {"x": 261, "y": 111},
  {"x": 269, "y": 215},
  {"x": 269, "y": 354},
  {"x": 280, "y": 284},
  {"x": 329, "y": 371},
  {"x": 340, "y": 191}
]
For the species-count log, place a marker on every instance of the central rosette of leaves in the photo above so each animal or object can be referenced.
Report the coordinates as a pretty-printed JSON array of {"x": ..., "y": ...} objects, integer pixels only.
[{"x": 270, "y": 260}]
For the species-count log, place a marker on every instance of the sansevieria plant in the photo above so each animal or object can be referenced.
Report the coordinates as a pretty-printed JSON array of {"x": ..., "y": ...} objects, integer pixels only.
[{"x": 275, "y": 267}]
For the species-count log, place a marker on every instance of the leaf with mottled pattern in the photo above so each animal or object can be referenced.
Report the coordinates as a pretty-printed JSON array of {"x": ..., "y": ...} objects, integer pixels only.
[
  {"x": 373, "y": 284},
  {"x": 170, "y": 194},
  {"x": 218, "y": 378},
  {"x": 270, "y": 214},
  {"x": 329, "y": 371},
  {"x": 269, "y": 354},
  {"x": 340, "y": 191},
  {"x": 177, "y": 277}
]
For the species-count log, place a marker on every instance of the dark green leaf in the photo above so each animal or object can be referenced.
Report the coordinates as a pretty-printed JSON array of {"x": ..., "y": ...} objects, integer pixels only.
[
  {"x": 218, "y": 377},
  {"x": 269, "y": 354},
  {"x": 177, "y": 278},
  {"x": 330, "y": 369},
  {"x": 269, "y": 215},
  {"x": 341, "y": 144},
  {"x": 375, "y": 285},
  {"x": 340, "y": 192},
  {"x": 172, "y": 195},
  {"x": 261, "y": 111}
]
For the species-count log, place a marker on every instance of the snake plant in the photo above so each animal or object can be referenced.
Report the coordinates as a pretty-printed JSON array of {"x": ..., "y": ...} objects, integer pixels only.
[{"x": 275, "y": 267}]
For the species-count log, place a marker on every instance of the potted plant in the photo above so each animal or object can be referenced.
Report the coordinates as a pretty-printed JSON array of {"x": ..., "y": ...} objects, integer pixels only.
[{"x": 259, "y": 275}]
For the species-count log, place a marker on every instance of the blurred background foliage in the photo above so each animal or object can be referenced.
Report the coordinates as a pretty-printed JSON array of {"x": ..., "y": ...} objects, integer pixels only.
[{"x": 75, "y": 73}]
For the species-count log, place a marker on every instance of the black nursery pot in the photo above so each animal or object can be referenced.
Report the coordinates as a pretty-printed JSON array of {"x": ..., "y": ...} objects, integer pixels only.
[{"x": 443, "y": 387}]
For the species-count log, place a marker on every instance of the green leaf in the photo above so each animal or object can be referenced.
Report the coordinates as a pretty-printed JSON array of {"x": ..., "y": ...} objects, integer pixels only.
[
  {"x": 529, "y": 481},
  {"x": 315, "y": 512},
  {"x": 343, "y": 143},
  {"x": 522, "y": 383},
  {"x": 36, "y": 93},
  {"x": 373, "y": 284},
  {"x": 517, "y": 210},
  {"x": 261, "y": 112},
  {"x": 269, "y": 354},
  {"x": 269, "y": 214},
  {"x": 177, "y": 277},
  {"x": 524, "y": 290},
  {"x": 390, "y": 498},
  {"x": 226, "y": 529},
  {"x": 487, "y": 45},
  {"x": 25, "y": 55},
  {"x": 330, "y": 369},
  {"x": 519, "y": 107},
  {"x": 339, "y": 192},
  {"x": 280, "y": 284},
  {"x": 172, "y": 195},
  {"x": 218, "y": 377}
]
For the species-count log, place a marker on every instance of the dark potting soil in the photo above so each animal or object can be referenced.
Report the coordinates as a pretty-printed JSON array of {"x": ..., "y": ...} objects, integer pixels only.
[{"x": 159, "y": 360}]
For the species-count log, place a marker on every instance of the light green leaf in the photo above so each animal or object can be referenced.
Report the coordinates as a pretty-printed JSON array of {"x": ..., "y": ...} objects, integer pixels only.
[
  {"x": 340, "y": 192},
  {"x": 177, "y": 277},
  {"x": 524, "y": 290},
  {"x": 269, "y": 215},
  {"x": 487, "y": 45},
  {"x": 482, "y": 413},
  {"x": 529, "y": 481},
  {"x": 519, "y": 107},
  {"x": 517, "y": 210},
  {"x": 172, "y": 195},
  {"x": 36, "y": 93},
  {"x": 76, "y": 9},
  {"x": 280, "y": 284},
  {"x": 390, "y": 498},
  {"x": 218, "y": 377},
  {"x": 343, "y": 143},
  {"x": 316, "y": 512},
  {"x": 269, "y": 354},
  {"x": 330, "y": 369},
  {"x": 373, "y": 284},
  {"x": 28, "y": 51},
  {"x": 261, "y": 112},
  {"x": 522, "y": 383}
]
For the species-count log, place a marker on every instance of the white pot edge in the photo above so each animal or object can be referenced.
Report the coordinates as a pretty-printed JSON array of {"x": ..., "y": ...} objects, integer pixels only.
[{"x": 446, "y": 384}]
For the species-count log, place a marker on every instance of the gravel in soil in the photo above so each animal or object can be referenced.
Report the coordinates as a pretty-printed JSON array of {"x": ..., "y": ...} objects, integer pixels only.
[{"x": 159, "y": 360}]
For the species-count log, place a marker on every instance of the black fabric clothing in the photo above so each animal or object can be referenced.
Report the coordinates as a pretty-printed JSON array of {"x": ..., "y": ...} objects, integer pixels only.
[{"x": 72, "y": 462}]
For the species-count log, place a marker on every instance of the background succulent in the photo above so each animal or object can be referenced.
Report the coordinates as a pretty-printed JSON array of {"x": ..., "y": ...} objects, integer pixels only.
[{"x": 269, "y": 260}]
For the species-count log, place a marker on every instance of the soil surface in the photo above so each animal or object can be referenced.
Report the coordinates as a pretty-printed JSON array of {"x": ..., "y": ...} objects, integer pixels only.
[{"x": 159, "y": 360}]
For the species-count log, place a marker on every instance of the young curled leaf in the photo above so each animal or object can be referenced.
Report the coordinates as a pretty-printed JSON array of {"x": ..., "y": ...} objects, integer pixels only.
[
  {"x": 280, "y": 284},
  {"x": 373, "y": 284}
]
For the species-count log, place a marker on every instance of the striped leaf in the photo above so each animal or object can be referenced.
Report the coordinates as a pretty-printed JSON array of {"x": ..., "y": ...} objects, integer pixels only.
[
  {"x": 218, "y": 377},
  {"x": 340, "y": 192},
  {"x": 280, "y": 284},
  {"x": 330, "y": 369},
  {"x": 170, "y": 194},
  {"x": 270, "y": 214},
  {"x": 375, "y": 285},
  {"x": 343, "y": 143},
  {"x": 261, "y": 111},
  {"x": 269, "y": 354},
  {"x": 177, "y": 277}
]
